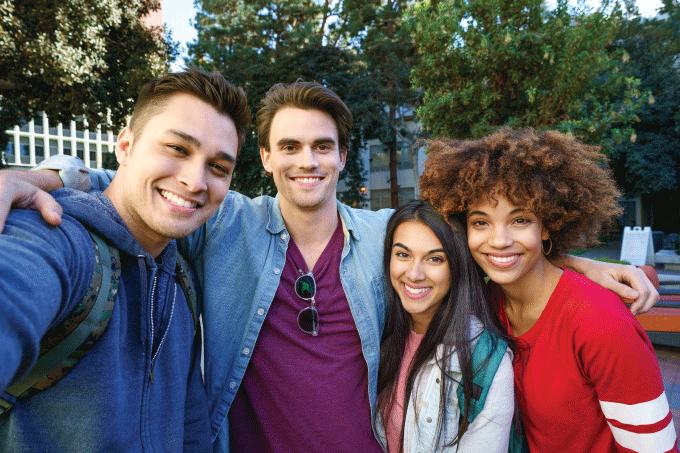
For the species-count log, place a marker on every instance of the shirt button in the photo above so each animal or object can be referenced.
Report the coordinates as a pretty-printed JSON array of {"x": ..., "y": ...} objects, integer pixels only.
[
  {"x": 437, "y": 380},
  {"x": 429, "y": 419},
  {"x": 284, "y": 236},
  {"x": 277, "y": 271},
  {"x": 232, "y": 384},
  {"x": 260, "y": 311},
  {"x": 246, "y": 351}
]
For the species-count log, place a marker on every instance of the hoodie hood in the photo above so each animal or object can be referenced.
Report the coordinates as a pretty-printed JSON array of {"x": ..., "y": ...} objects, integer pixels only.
[{"x": 96, "y": 212}]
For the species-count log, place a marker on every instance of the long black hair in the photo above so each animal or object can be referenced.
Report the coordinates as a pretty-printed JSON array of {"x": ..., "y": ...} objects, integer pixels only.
[{"x": 450, "y": 325}]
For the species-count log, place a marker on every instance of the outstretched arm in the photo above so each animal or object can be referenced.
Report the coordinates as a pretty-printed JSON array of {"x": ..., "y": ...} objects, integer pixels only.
[{"x": 629, "y": 282}]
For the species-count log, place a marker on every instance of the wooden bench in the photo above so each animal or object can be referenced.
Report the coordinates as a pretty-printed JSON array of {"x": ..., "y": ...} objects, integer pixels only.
[{"x": 662, "y": 322}]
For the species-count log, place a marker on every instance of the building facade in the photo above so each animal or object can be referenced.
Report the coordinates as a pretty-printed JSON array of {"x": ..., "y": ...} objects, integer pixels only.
[{"x": 35, "y": 140}]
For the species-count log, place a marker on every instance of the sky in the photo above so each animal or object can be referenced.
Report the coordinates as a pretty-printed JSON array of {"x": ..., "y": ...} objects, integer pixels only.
[{"x": 178, "y": 16}]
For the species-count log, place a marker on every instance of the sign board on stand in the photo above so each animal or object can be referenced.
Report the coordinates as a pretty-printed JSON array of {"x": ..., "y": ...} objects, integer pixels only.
[{"x": 637, "y": 247}]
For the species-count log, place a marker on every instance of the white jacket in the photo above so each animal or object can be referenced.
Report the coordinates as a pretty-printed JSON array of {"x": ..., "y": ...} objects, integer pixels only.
[{"x": 488, "y": 433}]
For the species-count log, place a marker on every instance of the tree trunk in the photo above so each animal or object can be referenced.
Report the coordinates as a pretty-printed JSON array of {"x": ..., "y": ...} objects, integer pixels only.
[{"x": 392, "y": 148}]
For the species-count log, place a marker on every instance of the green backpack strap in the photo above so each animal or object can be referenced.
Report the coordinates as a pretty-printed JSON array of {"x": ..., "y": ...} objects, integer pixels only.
[
  {"x": 483, "y": 371},
  {"x": 187, "y": 284},
  {"x": 493, "y": 350},
  {"x": 64, "y": 345},
  {"x": 518, "y": 441}
]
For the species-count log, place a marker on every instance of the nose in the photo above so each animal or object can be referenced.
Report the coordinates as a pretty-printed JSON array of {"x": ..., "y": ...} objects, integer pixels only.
[
  {"x": 415, "y": 271},
  {"x": 192, "y": 176},
  {"x": 500, "y": 237},
  {"x": 307, "y": 158}
]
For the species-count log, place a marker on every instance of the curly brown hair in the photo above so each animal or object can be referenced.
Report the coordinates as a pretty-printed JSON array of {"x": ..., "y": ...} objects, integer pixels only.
[{"x": 564, "y": 182}]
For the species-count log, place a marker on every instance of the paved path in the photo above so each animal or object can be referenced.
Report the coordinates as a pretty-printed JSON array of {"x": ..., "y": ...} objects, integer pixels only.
[{"x": 669, "y": 362}]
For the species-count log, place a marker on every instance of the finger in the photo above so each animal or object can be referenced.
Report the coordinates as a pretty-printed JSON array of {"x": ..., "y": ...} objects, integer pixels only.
[
  {"x": 5, "y": 205},
  {"x": 645, "y": 304},
  {"x": 649, "y": 296},
  {"x": 49, "y": 209}
]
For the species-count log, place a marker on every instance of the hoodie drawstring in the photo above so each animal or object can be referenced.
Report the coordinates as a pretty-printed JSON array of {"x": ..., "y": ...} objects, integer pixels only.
[{"x": 141, "y": 260}]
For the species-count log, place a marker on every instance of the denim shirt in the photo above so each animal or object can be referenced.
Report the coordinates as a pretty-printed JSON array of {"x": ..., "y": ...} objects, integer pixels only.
[{"x": 239, "y": 256}]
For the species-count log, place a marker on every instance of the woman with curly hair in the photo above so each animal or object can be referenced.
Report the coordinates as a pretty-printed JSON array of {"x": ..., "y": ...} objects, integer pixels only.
[{"x": 581, "y": 355}]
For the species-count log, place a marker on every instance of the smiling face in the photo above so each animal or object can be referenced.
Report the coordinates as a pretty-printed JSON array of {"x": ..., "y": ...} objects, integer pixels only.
[
  {"x": 506, "y": 242},
  {"x": 174, "y": 174},
  {"x": 304, "y": 159},
  {"x": 419, "y": 272}
]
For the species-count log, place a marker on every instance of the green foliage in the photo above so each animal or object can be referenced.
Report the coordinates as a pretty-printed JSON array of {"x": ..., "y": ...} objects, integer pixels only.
[
  {"x": 489, "y": 63},
  {"x": 611, "y": 260},
  {"x": 76, "y": 57},
  {"x": 387, "y": 50},
  {"x": 651, "y": 162}
]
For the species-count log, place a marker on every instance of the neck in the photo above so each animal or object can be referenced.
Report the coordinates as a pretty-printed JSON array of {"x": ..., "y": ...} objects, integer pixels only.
[
  {"x": 151, "y": 242},
  {"x": 526, "y": 298},
  {"x": 311, "y": 229}
]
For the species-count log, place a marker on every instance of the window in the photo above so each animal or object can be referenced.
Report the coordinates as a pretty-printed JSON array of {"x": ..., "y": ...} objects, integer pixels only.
[
  {"x": 380, "y": 158},
  {"x": 39, "y": 150},
  {"x": 381, "y": 198}
]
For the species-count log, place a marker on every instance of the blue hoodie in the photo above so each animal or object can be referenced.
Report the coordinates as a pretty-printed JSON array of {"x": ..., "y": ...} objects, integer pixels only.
[{"x": 113, "y": 399}]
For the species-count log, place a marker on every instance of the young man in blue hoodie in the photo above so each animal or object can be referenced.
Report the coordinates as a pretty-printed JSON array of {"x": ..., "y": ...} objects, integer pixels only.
[{"x": 139, "y": 387}]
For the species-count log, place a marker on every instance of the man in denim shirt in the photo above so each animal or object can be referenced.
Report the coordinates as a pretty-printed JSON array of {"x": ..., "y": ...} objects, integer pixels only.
[{"x": 279, "y": 378}]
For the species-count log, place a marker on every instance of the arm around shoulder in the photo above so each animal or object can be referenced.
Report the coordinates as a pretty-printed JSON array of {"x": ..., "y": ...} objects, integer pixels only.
[
  {"x": 628, "y": 282},
  {"x": 75, "y": 175}
]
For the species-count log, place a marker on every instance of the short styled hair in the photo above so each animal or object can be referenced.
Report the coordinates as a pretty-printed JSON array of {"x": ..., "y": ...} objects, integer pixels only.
[
  {"x": 307, "y": 96},
  {"x": 211, "y": 88},
  {"x": 564, "y": 182}
]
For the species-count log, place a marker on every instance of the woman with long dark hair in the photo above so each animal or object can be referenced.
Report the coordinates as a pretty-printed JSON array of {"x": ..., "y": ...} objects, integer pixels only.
[{"x": 436, "y": 313}]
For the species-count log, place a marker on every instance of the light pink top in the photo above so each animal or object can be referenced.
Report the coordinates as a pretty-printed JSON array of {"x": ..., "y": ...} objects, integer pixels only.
[{"x": 396, "y": 418}]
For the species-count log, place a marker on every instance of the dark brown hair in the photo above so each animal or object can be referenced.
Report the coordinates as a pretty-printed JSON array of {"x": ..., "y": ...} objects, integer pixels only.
[
  {"x": 564, "y": 182},
  {"x": 212, "y": 88},
  {"x": 307, "y": 96}
]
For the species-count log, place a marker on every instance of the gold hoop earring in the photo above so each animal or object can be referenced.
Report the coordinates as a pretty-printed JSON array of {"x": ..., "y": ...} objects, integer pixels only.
[{"x": 549, "y": 248}]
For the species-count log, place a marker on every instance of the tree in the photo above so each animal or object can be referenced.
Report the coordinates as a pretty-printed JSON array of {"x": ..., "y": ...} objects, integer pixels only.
[
  {"x": 76, "y": 57},
  {"x": 489, "y": 63},
  {"x": 256, "y": 44},
  {"x": 650, "y": 163},
  {"x": 387, "y": 50}
]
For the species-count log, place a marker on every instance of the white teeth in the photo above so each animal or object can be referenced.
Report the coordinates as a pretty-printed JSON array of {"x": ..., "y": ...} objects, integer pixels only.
[
  {"x": 307, "y": 180},
  {"x": 503, "y": 259},
  {"x": 415, "y": 290},
  {"x": 176, "y": 200}
]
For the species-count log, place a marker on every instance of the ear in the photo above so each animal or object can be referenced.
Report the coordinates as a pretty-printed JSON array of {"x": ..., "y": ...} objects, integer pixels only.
[
  {"x": 343, "y": 158},
  {"x": 124, "y": 145},
  {"x": 545, "y": 235},
  {"x": 265, "y": 155}
]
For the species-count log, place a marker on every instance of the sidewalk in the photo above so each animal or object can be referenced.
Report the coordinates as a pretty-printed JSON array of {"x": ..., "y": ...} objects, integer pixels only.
[{"x": 669, "y": 362}]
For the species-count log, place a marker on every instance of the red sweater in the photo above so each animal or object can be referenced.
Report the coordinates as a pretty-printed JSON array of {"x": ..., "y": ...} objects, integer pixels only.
[{"x": 587, "y": 378}]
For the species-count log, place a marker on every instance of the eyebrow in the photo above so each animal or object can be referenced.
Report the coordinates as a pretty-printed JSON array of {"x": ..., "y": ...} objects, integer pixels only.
[
  {"x": 190, "y": 138},
  {"x": 292, "y": 141},
  {"x": 219, "y": 155},
  {"x": 399, "y": 244},
  {"x": 514, "y": 211}
]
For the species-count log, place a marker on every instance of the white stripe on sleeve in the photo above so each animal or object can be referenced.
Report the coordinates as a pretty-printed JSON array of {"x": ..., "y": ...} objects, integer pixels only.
[
  {"x": 658, "y": 442},
  {"x": 646, "y": 413}
]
